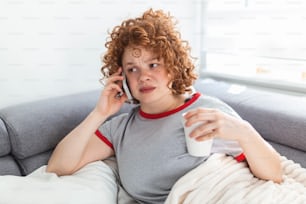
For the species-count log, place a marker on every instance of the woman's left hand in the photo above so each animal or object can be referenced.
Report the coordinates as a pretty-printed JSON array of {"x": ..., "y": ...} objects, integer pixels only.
[{"x": 215, "y": 123}]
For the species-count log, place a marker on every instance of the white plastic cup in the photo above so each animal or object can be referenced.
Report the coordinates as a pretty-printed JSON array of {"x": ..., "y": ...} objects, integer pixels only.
[{"x": 194, "y": 147}]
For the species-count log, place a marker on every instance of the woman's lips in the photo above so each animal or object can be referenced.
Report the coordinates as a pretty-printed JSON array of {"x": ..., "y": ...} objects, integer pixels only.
[{"x": 146, "y": 89}]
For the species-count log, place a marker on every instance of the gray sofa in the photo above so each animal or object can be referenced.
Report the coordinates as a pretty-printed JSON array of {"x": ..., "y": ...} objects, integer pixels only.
[{"x": 30, "y": 131}]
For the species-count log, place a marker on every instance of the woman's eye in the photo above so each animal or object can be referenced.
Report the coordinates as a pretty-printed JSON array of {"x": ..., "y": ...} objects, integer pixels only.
[
  {"x": 132, "y": 69},
  {"x": 153, "y": 65}
]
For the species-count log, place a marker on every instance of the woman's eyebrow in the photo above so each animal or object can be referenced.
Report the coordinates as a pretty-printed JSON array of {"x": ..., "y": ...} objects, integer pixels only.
[
  {"x": 128, "y": 64},
  {"x": 146, "y": 61},
  {"x": 151, "y": 59}
]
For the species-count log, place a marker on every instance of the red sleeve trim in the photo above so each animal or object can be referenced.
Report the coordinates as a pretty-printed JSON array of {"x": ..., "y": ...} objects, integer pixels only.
[
  {"x": 104, "y": 139},
  {"x": 240, "y": 157}
]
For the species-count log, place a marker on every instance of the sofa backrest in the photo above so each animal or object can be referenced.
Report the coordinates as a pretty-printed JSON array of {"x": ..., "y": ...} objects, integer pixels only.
[
  {"x": 30, "y": 131},
  {"x": 35, "y": 128}
]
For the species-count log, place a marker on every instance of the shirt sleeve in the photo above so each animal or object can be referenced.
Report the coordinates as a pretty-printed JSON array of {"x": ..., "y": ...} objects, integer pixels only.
[
  {"x": 111, "y": 131},
  {"x": 228, "y": 147},
  {"x": 240, "y": 157},
  {"x": 104, "y": 139}
]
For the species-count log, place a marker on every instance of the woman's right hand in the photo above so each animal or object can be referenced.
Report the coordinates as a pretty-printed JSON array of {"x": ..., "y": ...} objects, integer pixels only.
[{"x": 109, "y": 103}]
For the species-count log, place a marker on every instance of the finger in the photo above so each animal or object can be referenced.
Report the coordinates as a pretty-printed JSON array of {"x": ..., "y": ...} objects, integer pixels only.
[
  {"x": 123, "y": 98},
  {"x": 208, "y": 136},
  {"x": 114, "y": 79},
  {"x": 118, "y": 72},
  {"x": 115, "y": 75},
  {"x": 203, "y": 130},
  {"x": 194, "y": 112},
  {"x": 201, "y": 117},
  {"x": 113, "y": 89}
]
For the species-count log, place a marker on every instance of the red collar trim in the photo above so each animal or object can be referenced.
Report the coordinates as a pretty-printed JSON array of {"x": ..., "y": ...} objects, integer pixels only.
[{"x": 167, "y": 113}]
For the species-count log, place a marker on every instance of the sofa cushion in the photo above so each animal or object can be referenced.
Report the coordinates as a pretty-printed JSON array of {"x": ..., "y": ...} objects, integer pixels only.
[
  {"x": 31, "y": 163},
  {"x": 293, "y": 154},
  {"x": 279, "y": 117},
  {"x": 5, "y": 146},
  {"x": 37, "y": 127},
  {"x": 8, "y": 166}
]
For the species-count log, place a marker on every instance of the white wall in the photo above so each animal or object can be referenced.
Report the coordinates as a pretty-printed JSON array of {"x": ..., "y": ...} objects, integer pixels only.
[{"x": 53, "y": 47}]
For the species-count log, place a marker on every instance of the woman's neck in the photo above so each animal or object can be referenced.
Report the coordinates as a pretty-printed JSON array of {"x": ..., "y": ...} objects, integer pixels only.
[{"x": 164, "y": 105}]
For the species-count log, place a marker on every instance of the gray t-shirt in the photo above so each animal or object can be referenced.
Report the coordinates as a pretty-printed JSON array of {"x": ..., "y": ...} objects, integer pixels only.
[{"x": 151, "y": 149}]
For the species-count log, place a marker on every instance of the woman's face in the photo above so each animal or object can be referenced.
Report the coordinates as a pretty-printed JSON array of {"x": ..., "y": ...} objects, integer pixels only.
[{"x": 147, "y": 76}]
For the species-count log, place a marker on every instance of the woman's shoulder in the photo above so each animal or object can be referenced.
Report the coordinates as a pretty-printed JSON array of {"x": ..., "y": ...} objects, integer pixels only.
[
  {"x": 122, "y": 116},
  {"x": 207, "y": 101},
  {"x": 211, "y": 100}
]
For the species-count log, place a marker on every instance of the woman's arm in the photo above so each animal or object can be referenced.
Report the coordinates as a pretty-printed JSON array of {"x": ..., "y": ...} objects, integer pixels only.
[
  {"x": 263, "y": 160},
  {"x": 81, "y": 146}
]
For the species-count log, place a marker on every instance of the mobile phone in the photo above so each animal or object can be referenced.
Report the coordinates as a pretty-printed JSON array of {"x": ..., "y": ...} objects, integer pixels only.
[{"x": 127, "y": 91}]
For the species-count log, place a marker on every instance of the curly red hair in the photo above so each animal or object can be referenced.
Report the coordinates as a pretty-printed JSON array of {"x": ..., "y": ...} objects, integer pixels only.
[{"x": 154, "y": 30}]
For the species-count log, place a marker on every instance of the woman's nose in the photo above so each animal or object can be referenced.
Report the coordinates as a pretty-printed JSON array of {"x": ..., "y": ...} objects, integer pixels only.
[{"x": 144, "y": 75}]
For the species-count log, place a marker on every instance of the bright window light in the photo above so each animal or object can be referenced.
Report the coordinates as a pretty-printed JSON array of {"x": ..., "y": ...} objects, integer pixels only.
[{"x": 257, "y": 39}]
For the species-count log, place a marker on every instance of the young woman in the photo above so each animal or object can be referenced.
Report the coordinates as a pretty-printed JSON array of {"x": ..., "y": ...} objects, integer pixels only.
[{"x": 149, "y": 142}]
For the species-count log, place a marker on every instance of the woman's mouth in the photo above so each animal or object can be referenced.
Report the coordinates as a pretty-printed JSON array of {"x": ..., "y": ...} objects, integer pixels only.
[{"x": 147, "y": 89}]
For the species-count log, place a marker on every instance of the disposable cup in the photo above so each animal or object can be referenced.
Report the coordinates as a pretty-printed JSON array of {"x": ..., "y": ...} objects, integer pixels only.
[{"x": 194, "y": 147}]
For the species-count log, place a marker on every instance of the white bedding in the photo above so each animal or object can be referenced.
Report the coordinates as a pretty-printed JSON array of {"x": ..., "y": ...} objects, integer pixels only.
[
  {"x": 93, "y": 184},
  {"x": 223, "y": 180},
  {"x": 219, "y": 180}
]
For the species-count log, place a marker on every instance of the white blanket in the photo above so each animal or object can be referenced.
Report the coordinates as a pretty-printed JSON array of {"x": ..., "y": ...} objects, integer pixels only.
[
  {"x": 223, "y": 180},
  {"x": 93, "y": 184}
]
